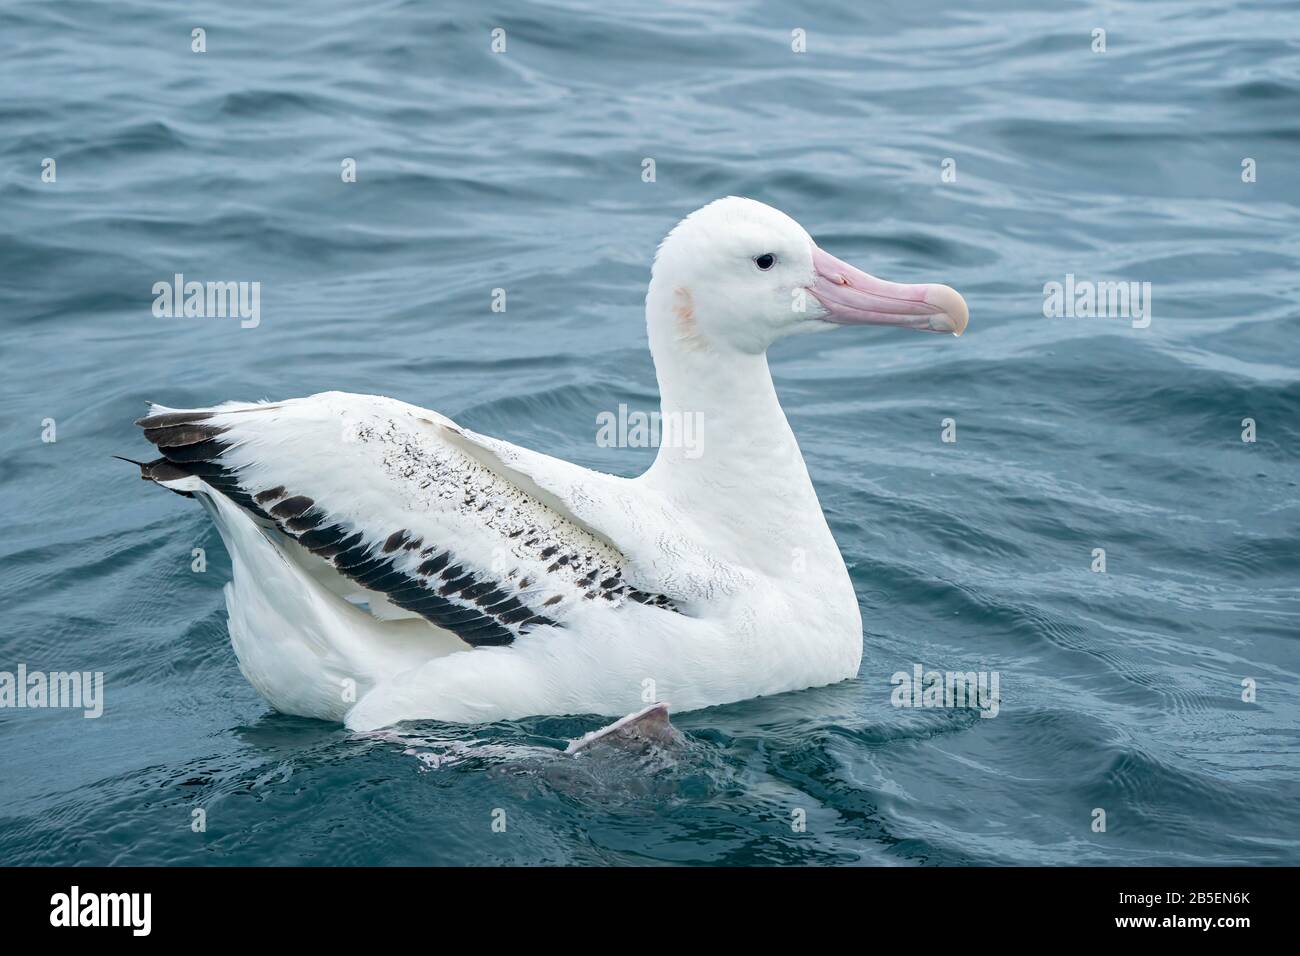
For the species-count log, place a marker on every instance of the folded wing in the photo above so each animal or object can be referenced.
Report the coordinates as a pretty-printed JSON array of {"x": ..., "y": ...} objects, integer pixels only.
[{"x": 405, "y": 505}]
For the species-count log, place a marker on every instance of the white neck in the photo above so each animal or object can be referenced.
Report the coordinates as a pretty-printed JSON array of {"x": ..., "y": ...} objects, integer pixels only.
[{"x": 745, "y": 481}]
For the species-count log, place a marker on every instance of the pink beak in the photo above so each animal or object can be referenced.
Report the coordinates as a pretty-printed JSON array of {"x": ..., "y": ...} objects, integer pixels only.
[{"x": 851, "y": 297}]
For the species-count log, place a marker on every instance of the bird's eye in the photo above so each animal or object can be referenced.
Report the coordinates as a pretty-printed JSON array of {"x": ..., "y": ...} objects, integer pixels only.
[{"x": 765, "y": 261}]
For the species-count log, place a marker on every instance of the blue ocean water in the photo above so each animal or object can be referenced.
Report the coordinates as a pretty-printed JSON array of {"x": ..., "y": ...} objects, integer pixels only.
[{"x": 1120, "y": 691}]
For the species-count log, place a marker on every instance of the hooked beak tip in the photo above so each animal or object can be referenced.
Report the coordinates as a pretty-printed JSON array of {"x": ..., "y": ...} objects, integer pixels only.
[{"x": 954, "y": 308}]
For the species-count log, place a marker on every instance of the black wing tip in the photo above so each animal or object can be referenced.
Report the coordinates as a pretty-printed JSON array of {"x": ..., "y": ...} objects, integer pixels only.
[
  {"x": 168, "y": 419},
  {"x": 159, "y": 470}
]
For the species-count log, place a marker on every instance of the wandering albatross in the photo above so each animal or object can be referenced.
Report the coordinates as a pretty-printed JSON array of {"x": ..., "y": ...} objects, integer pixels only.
[{"x": 389, "y": 564}]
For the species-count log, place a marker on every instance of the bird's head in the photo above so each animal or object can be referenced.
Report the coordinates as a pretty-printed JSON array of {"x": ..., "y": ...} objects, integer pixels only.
[{"x": 739, "y": 275}]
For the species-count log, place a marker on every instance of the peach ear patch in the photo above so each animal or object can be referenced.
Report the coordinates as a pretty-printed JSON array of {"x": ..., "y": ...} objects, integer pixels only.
[{"x": 688, "y": 332}]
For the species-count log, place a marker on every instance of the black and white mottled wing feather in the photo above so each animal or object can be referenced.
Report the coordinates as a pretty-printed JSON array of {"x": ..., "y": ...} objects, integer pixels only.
[{"x": 383, "y": 493}]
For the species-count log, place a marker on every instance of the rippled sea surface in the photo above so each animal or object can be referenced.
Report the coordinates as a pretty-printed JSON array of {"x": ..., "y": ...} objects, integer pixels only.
[{"x": 1121, "y": 691}]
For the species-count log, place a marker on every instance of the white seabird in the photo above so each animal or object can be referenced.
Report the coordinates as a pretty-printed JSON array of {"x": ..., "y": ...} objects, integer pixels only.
[{"x": 391, "y": 565}]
